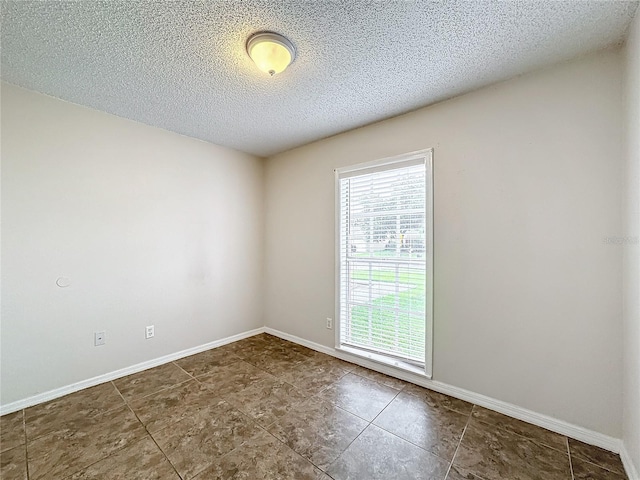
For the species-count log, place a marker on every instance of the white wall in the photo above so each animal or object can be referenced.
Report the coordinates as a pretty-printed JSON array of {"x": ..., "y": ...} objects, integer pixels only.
[
  {"x": 527, "y": 186},
  {"x": 631, "y": 279},
  {"x": 149, "y": 226}
]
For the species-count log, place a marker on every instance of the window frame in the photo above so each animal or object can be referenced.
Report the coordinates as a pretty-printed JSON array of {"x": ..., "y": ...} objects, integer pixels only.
[{"x": 427, "y": 156}]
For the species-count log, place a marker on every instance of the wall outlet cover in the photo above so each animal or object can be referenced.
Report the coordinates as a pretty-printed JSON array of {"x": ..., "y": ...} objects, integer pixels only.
[{"x": 99, "y": 338}]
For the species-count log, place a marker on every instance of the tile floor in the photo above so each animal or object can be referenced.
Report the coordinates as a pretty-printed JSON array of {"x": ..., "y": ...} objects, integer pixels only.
[{"x": 264, "y": 408}]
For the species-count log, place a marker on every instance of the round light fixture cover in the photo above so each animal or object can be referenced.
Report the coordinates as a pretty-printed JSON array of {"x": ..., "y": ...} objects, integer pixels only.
[{"x": 272, "y": 53}]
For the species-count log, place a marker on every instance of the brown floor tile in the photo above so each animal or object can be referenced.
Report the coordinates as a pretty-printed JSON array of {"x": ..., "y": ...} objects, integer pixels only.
[
  {"x": 265, "y": 337},
  {"x": 151, "y": 381},
  {"x": 307, "y": 352},
  {"x": 262, "y": 458},
  {"x": 195, "y": 442},
  {"x": 203, "y": 362},
  {"x": 437, "y": 430},
  {"x": 598, "y": 456},
  {"x": 588, "y": 471},
  {"x": 324, "y": 358},
  {"x": 260, "y": 337},
  {"x": 318, "y": 430},
  {"x": 231, "y": 378},
  {"x": 11, "y": 430},
  {"x": 168, "y": 406},
  {"x": 13, "y": 464},
  {"x": 311, "y": 375},
  {"x": 140, "y": 461},
  {"x": 436, "y": 399},
  {"x": 496, "y": 454},
  {"x": 260, "y": 347},
  {"x": 266, "y": 400},
  {"x": 276, "y": 363},
  {"x": 278, "y": 344},
  {"x": 271, "y": 341},
  {"x": 53, "y": 416},
  {"x": 247, "y": 346},
  {"x": 459, "y": 473},
  {"x": 532, "y": 432},
  {"x": 82, "y": 443},
  {"x": 381, "y": 378},
  {"x": 377, "y": 454},
  {"x": 230, "y": 349},
  {"x": 358, "y": 395}
]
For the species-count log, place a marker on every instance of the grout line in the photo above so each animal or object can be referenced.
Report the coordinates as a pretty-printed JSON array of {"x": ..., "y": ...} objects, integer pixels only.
[
  {"x": 119, "y": 392},
  {"x": 570, "y": 460},
  {"x": 385, "y": 407},
  {"x": 284, "y": 443},
  {"x": 601, "y": 467},
  {"x": 164, "y": 454},
  {"x": 351, "y": 443},
  {"x": 459, "y": 443},
  {"x": 412, "y": 443},
  {"x": 26, "y": 446},
  {"x": 192, "y": 376},
  {"x": 150, "y": 436},
  {"x": 347, "y": 411},
  {"x": 163, "y": 389}
]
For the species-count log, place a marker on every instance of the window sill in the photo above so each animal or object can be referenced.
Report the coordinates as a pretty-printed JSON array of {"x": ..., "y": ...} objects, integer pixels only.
[{"x": 384, "y": 360}]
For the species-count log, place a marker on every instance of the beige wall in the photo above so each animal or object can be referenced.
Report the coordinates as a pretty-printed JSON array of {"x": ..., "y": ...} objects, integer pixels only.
[
  {"x": 527, "y": 187},
  {"x": 149, "y": 226},
  {"x": 631, "y": 279}
]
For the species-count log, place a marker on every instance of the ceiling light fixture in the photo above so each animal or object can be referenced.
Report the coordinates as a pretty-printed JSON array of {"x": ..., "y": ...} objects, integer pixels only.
[{"x": 272, "y": 53}]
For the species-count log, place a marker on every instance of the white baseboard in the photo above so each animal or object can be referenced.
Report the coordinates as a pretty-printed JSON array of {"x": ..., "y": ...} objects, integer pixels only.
[
  {"x": 123, "y": 372},
  {"x": 559, "y": 426},
  {"x": 632, "y": 471}
]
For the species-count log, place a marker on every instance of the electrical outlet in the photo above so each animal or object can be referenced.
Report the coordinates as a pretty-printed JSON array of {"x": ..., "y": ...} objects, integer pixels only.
[
  {"x": 99, "y": 338},
  {"x": 149, "y": 332},
  {"x": 329, "y": 323}
]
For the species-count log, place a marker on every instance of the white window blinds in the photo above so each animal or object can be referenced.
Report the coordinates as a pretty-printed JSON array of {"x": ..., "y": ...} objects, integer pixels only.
[{"x": 383, "y": 250}]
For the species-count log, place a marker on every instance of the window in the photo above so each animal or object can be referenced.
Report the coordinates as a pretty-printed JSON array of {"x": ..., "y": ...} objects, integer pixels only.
[{"x": 384, "y": 260}]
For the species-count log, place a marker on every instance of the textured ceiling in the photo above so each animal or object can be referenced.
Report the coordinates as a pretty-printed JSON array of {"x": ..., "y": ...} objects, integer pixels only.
[{"x": 182, "y": 66}]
